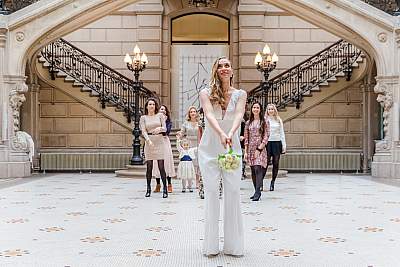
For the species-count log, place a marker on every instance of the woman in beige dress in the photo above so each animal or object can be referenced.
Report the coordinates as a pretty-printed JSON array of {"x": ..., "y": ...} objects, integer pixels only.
[
  {"x": 190, "y": 131},
  {"x": 168, "y": 157},
  {"x": 152, "y": 125}
]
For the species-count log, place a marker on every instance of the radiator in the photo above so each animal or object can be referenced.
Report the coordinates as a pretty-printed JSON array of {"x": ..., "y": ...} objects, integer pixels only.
[
  {"x": 334, "y": 161},
  {"x": 84, "y": 161}
]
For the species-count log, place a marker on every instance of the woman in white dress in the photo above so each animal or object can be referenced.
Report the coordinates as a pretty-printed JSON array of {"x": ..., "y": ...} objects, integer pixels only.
[{"x": 224, "y": 107}]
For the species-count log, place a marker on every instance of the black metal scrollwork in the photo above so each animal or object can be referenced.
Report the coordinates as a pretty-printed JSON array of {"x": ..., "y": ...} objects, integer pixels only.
[
  {"x": 389, "y": 6},
  {"x": 109, "y": 85},
  {"x": 291, "y": 85}
]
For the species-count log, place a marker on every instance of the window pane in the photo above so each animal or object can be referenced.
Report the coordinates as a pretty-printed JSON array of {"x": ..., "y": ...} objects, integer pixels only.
[{"x": 200, "y": 28}]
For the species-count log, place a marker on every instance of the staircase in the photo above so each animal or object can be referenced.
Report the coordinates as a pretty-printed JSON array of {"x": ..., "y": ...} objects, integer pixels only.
[{"x": 312, "y": 81}]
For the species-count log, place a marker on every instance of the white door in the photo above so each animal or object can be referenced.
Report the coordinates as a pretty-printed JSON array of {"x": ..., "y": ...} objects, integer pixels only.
[{"x": 190, "y": 73}]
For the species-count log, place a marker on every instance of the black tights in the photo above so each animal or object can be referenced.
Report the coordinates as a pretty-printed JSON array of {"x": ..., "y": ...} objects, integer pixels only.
[
  {"x": 158, "y": 180},
  {"x": 149, "y": 172},
  {"x": 275, "y": 165},
  {"x": 257, "y": 175}
]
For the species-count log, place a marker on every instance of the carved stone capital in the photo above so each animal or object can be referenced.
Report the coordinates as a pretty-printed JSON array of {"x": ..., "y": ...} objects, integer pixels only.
[
  {"x": 382, "y": 145},
  {"x": 17, "y": 98},
  {"x": 385, "y": 99},
  {"x": 19, "y": 142}
]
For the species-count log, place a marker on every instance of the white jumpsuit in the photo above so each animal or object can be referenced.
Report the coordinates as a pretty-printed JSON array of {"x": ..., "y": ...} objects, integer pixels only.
[{"x": 208, "y": 151}]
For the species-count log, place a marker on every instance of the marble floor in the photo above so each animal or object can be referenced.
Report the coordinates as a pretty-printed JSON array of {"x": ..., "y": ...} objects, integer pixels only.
[{"x": 100, "y": 220}]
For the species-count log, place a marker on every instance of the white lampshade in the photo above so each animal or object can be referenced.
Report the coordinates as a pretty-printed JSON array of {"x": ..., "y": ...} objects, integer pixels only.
[
  {"x": 269, "y": 58},
  {"x": 266, "y": 50},
  {"x": 258, "y": 59},
  {"x": 275, "y": 58},
  {"x": 128, "y": 59},
  {"x": 136, "y": 50},
  {"x": 144, "y": 59}
]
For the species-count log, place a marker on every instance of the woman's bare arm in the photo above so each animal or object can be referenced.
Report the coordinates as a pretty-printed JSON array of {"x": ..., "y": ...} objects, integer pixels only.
[
  {"x": 208, "y": 111},
  {"x": 239, "y": 112}
]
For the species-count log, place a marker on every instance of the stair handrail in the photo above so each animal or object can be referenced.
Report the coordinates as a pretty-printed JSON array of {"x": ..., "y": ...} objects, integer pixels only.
[
  {"x": 291, "y": 85},
  {"x": 113, "y": 87}
]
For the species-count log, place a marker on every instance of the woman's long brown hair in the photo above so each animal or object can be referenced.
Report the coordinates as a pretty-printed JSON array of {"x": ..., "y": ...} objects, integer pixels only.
[{"x": 217, "y": 93}]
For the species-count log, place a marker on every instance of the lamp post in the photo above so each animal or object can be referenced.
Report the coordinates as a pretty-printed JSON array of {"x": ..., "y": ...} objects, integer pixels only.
[
  {"x": 136, "y": 64},
  {"x": 265, "y": 63}
]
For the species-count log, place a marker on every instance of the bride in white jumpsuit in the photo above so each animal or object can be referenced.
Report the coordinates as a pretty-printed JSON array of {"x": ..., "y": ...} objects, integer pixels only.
[{"x": 224, "y": 108}]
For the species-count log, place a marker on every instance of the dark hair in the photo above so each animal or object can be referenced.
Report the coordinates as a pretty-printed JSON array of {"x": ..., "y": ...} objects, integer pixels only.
[
  {"x": 262, "y": 119},
  {"x": 147, "y": 103},
  {"x": 166, "y": 112}
]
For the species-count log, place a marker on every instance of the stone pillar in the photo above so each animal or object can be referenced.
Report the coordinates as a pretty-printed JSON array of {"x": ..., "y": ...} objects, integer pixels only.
[
  {"x": 251, "y": 40},
  {"x": 386, "y": 161},
  {"x": 14, "y": 144}
]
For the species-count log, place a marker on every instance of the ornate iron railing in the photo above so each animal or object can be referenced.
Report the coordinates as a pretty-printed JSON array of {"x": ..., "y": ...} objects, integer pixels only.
[
  {"x": 291, "y": 85},
  {"x": 389, "y": 6},
  {"x": 10, "y": 6},
  {"x": 111, "y": 86}
]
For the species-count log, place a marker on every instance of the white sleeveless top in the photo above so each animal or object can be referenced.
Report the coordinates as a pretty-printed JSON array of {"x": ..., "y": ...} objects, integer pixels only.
[{"x": 210, "y": 144}]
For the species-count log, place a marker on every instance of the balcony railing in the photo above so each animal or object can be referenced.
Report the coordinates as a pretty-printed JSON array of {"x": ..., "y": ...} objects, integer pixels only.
[
  {"x": 10, "y": 6},
  {"x": 389, "y": 6}
]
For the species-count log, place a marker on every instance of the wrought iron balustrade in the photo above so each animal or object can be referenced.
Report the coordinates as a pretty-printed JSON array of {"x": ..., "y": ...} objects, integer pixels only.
[
  {"x": 111, "y": 86},
  {"x": 291, "y": 86},
  {"x": 389, "y": 6},
  {"x": 10, "y": 6}
]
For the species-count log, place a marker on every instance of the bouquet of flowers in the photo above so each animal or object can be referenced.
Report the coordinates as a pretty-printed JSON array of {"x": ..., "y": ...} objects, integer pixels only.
[{"x": 229, "y": 161}]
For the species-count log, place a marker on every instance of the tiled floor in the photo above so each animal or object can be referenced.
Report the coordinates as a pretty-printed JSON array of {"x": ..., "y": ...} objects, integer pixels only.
[{"x": 99, "y": 220}]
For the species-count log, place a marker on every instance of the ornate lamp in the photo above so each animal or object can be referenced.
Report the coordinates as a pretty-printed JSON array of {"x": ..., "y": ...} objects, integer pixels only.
[
  {"x": 266, "y": 62},
  {"x": 136, "y": 64}
]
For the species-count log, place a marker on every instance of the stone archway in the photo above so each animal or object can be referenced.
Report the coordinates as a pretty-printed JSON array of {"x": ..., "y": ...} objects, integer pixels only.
[{"x": 25, "y": 32}]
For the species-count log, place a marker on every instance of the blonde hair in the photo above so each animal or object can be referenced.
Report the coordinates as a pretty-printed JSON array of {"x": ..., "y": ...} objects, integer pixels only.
[
  {"x": 188, "y": 113},
  {"x": 184, "y": 141},
  {"x": 276, "y": 114},
  {"x": 217, "y": 94}
]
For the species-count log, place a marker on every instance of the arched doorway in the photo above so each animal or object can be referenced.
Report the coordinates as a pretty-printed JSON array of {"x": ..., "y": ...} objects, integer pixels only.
[{"x": 197, "y": 39}]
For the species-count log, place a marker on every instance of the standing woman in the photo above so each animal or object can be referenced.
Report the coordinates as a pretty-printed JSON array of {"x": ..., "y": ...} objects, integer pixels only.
[
  {"x": 191, "y": 130},
  {"x": 276, "y": 142},
  {"x": 256, "y": 135},
  {"x": 223, "y": 108},
  {"x": 152, "y": 125},
  {"x": 169, "y": 158}
]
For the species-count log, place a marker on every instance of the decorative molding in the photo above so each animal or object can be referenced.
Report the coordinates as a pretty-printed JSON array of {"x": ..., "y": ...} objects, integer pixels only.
[
  {"x": 382, "y": 145},
  {"x": 19, "y": 142},
  {"x": 3, "y": 37},
  {"x": 397, "y": 37},
  {"x": 382, "y": 37},
  {"x": 20, "y": 36},
  {"x": 385, "y": 99},
  {"x": 17, "y": 98}
]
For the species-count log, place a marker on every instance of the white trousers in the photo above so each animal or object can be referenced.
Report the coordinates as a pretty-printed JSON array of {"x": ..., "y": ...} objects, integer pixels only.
[{"x": 232, "y": 215}]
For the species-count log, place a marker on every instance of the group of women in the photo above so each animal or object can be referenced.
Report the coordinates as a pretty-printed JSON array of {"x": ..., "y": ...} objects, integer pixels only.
[
  {"x": 224, "y": 108},
  {"x": 264, "y": 142},
  {"x": 156, "y": 126}
]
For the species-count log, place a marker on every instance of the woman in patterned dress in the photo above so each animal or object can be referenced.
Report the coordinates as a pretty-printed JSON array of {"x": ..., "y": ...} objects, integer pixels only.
[
  {"x": 190, "y": 130},
  {"x": 152, "y": 125},
  {"x": 256, "y": 135}
]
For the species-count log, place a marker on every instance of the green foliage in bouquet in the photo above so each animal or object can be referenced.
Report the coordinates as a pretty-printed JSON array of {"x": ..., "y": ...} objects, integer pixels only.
[{"x": 229, "y": 161}]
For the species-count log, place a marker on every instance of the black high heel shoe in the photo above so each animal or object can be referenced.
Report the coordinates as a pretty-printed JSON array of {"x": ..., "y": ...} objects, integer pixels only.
[
  {"x": 148, "y": 192},
  {"x": 252, "y": 196},
  {"x": 271, "y": 187},
  {"x": 256, "y": 197},
  {"x": 165, "y": 192}
]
